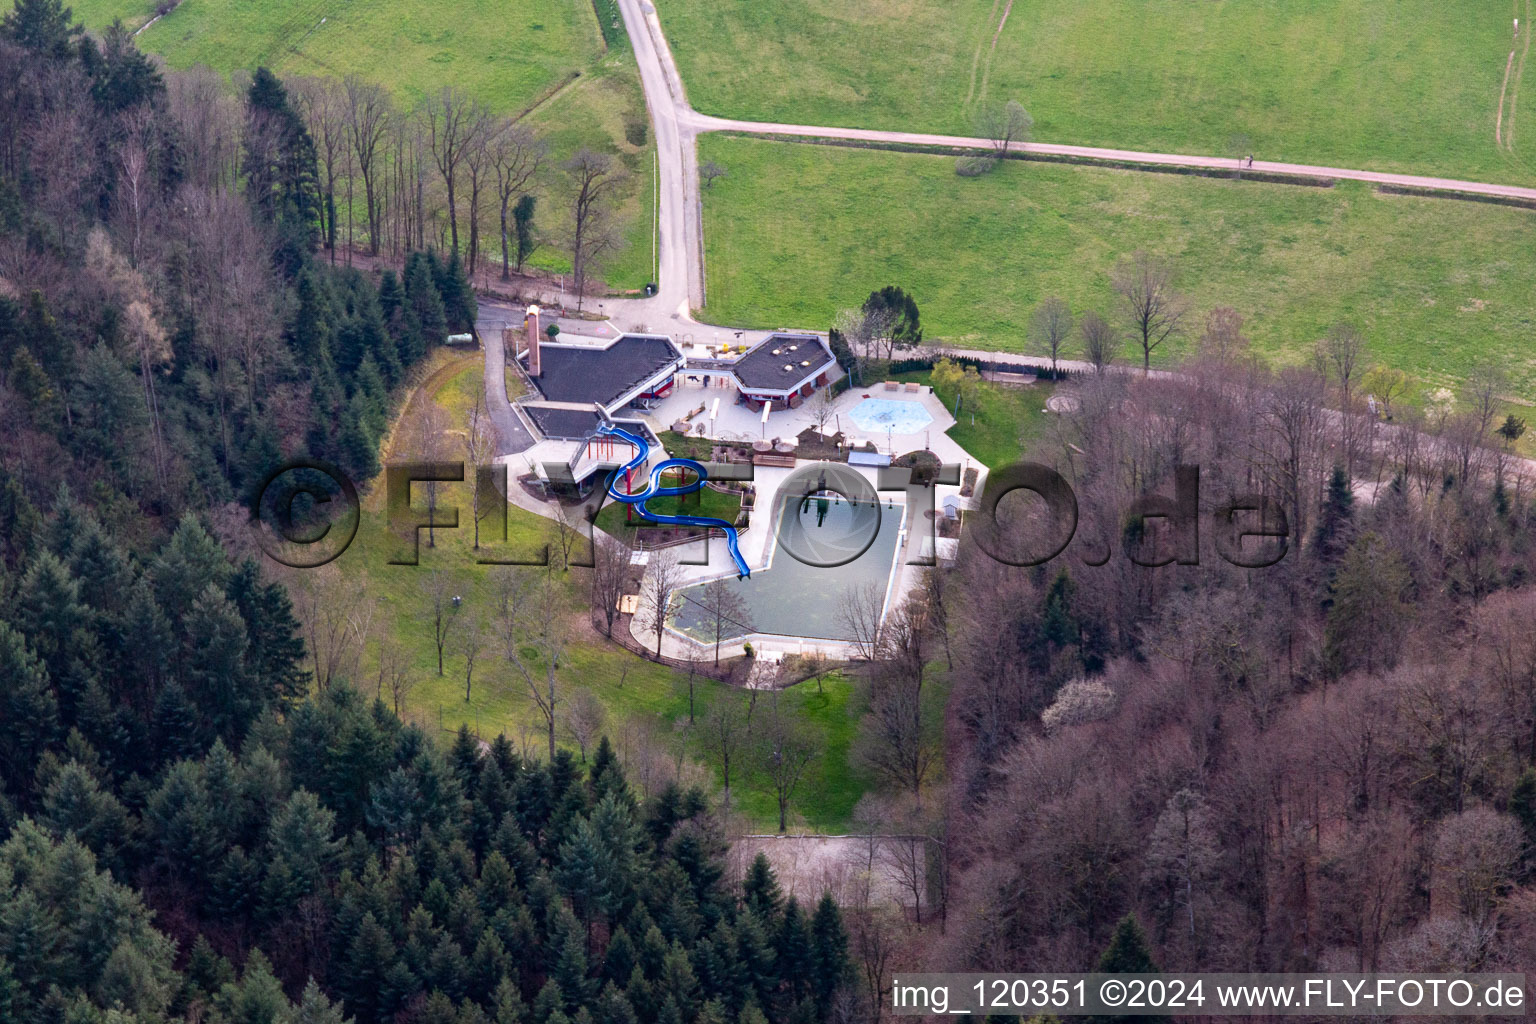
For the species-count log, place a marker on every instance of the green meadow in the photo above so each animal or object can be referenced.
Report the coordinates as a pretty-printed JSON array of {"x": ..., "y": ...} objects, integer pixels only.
[
  {"x": 1408, "y": 86},
  {"x": 796, "y": 232}
]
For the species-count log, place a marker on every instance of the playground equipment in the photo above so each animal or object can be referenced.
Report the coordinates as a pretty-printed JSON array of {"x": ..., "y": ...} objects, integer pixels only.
[{"x": 653, "y": 489}]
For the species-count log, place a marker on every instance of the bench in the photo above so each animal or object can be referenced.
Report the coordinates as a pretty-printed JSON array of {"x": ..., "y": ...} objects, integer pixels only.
[{"x": 782, "y": 460}]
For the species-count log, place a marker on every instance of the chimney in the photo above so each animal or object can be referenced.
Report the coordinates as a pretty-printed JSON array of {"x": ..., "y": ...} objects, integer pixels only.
[{"x": 532, "y": 323}]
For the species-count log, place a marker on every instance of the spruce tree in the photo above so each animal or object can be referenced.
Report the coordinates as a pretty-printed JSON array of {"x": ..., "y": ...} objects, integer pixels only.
[
  {"x": 829, "y": 952},
  {"x": 1128, "y": 952},
  {"x": 29, "y": 713}
]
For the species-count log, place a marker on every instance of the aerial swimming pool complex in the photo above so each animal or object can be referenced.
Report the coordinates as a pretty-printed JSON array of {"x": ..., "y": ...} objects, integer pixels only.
[{"x": 800, "y": 593}]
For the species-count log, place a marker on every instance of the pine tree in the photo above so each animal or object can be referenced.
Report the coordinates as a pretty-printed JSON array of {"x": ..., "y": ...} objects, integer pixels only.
[
  {"x": 275, "y": 655},
  {"x": 508, "y": 1006},
  {"x": 19, "y": 520},
  {"x": 458, "y": 296},
  {"x": 144, "y": 654},
  {"x": 1370, "y": 612},
  {"x": 214, "y": 660},
  {"x": 74, "y": 804},
  {"x": 393, "y": 809},
  {"x": 301, "y": 834},
  {"x": 613, "y": 1007},
  {"x": 365, "y": 979},
  {"x": 206, "y": 972},
  {"x": 1333, "y": 533},
  {"x": 391, "y": 296},
  {"x": 760, "y": 890},
  {"x": 185, "y": 567},
  {"x": 29, "y": 714},
  {"x": 315, "y": 1008},
  {"x": 605, "y": 776},
  {"x": 793, "y": 950},
  {"x": 257, "y": 998},
  {"x": 49, "y": 611},
  {"x": 424, "y": 301},
  {"x": 829, "y": 952},
  {"x": 46, "y": 27},
  {"x": 1128, "y": 952},
  {"x": 174, "y": 728}
]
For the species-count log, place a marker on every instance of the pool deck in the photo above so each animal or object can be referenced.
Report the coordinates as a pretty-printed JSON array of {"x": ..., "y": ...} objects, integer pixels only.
[{"x": 737, "y": 423}]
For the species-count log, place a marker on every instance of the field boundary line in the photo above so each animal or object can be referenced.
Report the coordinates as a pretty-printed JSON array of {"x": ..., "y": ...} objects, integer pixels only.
[
  {"x": 986, "y": 71},
  {"x": 1514, "y": 96},
  {"x": 970, "y": 91}
]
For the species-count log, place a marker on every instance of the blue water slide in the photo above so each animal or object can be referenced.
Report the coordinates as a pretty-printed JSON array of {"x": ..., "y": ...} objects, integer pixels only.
[{"x": 653, "y": 489}]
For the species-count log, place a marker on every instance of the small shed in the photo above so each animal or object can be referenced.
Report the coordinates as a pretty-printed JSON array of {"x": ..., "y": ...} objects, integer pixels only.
[{"x": 868, "y": 459}]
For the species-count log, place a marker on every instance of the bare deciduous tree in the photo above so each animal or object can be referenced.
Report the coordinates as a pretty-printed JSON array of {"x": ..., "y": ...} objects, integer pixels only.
[
  {"x": 394, "y": 672},
  {"x": 662, "y": 576},
  {"x": 442, "y": 611},
  {"x": 1144, "y": 286},
  {"x": 724, "y": 732},
  {"x": 725, "y": 613},
  {"x": 859, "y": 616},
  {"x": 532, "y": 614},
  {"x": 516, "y": 155},
  {"x": 1050, "y": 327},
  {"x": 1223, "y": 340},
  {"x": 1338, "y": 355},
  {"x": 1099, "y": 342},
  {"x": 784, "y": 755},
  {"x": 710, "y": 172},
  {"x": 593, "y": 182},
  {"x": 610, "y": 571},
  {"x": 479, "y": 450},
  {"x": 368, "y": 117},
  {"x": 480, "y": 166},
  {"x": 584, "y": 718},
  {"x": 335, "y": 613},
  {"x": 468, "y": 641},
  {"x": 450, "y": 120}
]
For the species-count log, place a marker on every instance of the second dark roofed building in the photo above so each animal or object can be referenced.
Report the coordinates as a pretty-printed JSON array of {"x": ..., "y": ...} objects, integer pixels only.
[{"x": 783, "y": 368}]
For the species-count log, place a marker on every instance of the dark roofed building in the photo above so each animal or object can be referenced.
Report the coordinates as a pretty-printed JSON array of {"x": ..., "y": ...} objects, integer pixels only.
[
  {"x": 634, "y": 366},
  {"x": 784, "y": 368}
]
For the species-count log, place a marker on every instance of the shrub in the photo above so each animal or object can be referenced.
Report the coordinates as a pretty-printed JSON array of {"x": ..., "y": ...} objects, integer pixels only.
[
  {"x": 1079, "y": 701},
  {"x": 974, "y": 166}
]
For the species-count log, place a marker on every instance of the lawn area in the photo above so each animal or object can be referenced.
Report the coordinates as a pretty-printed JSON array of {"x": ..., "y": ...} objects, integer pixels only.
[
  {"x": 646, "y": 704},
  {"x": 704, "y": 502},
  {"x": 507, "y": 55},
  {"x": 796, "y": 232},
  {"x": 1407, "y": 86}
]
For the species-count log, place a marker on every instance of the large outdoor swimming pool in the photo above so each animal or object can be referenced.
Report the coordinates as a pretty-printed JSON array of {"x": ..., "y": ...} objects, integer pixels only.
[
  {"x": 792, "y": 598},
  {"x": 877, "y": 415}
]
